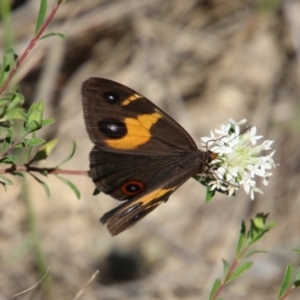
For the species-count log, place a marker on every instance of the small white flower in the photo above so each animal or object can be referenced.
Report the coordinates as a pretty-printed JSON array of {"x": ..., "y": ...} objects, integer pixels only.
[{"x": 239, "y": 161}]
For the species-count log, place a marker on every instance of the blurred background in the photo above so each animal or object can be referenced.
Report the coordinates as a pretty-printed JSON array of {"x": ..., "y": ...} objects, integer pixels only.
[{"x": 203, "y": 62}]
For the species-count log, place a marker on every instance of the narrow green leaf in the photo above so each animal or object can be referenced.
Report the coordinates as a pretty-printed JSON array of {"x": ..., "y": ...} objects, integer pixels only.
[
  {"x": 5, "y": 97},
  {"x": 71, "y": 154},
  {"x": 96, "y": 192},
  {"x": 16, "y": 99},
  {"x": 18, "y": 174},
  {"x": 8, "y": 159},
  {"x": 14, "y": 114},
  {"x": 34, "y": 117},
  {"x": 258, "y": 228},
  {"x": 7, "y": 36},
  {"x": 45, "y": 150},
  {"x": 41, "y": 16},
  {"x": 4, "y": 185},
  {"x": 226, "y": 267},
  {"x": 209, "y": 194},
  {"x": 60, "y": 35},
  {"x": 5, "y": 145},
  {"x": 241, "y": 241},
  {"x": 9, "y": 131},
  {"x": 286, "y": 281},
  {"x": 250, "y": 253},
  {"x": 297, "y": 250},
  {"x": 239, "y": 270},
  {"x": 35, "y": 142},
  {"x": 47, "y": 122},
  {"x": 8, "y": 63},
  {"x": 215, "y": 288},
  {"x": 30, "y": 149},
  {"x": 42, "y": 183},
  {"x": 8, "y": 138},
  {"x": 5, "y": 180},
  {"x": 32, "y": 126},
  {"x": 71, "y": 185}
]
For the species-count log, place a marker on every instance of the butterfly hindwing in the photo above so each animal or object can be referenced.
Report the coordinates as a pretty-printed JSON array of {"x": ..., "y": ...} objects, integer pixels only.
[
  {"x": 129, "y": 213},
  {"x": 124, "y": 176}
]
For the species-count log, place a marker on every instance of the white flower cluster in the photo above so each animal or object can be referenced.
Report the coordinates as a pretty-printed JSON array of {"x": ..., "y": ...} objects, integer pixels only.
[{"x": 238, "y": 159}]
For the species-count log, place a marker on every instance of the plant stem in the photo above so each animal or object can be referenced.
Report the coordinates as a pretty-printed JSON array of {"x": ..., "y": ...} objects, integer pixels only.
[
  {"x": 26, "y": 168},
  {"x": 30, "y": 46}
]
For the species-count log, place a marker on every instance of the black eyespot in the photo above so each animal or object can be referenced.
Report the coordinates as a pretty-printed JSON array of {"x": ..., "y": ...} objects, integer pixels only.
[
  {"x": 113, "y": 129},
  {"x": 132, "y": 187},
  {"x": 111, "y": 97}
]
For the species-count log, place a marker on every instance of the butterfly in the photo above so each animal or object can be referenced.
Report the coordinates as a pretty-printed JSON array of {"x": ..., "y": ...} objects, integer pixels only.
[{"x": 140, "y": 154}]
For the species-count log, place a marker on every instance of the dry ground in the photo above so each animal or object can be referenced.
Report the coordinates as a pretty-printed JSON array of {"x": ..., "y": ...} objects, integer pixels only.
[{"x": 203, "y": 62}]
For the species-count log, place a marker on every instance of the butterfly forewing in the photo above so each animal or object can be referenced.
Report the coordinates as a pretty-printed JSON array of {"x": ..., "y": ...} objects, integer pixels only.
[{"x": 147, "y": 129}]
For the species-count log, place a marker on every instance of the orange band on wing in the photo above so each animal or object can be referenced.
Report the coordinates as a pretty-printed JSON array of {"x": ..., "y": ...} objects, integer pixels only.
[
  {"x": 132, "y": 98},
  {"x": 154, "y": 195},
  {"x": 138, "y": 132}
]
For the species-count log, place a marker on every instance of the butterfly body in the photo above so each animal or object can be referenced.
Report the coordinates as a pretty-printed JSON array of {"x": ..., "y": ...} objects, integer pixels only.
[{"x": 140, "y": 154}]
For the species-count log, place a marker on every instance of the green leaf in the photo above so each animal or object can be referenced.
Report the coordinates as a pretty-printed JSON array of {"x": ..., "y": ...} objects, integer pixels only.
[
  {"x": 9, "y": 130},
  {"x": 239, "y": 270},
  {"x": 226, "y": 267},
  {"x": 34, "y": 117},
  {"x": 286, "y": 281},
  {"x": 297, "y": 250},
  {"x": 8, "y": 63},
  {"x": 30, "y": 142},
  {"x": 6, "y": 144},
  {"x": 7, "y": 141},
  {"x": 34, "y": 142},
  {"x": 8, "y": 159},
  {"x": 258, "y": 228},
  {"x": 41, "y": 16},
  {"x": 47, "y": 122},
  {"x": 209, "y": 194},
  {"x": 96, "y": 192},
  {"x": 18, "y": 174},
  {"x": 241, "y": 241},
  {"x": 14, "y": 114},
  {"x": 42, "y": 183},
  {"x": 16, "y": 99},
  {"x": 44, "y": 151},
  {"x": 71, "y": 154},
  {"x": 60, "y": 35},
  {"x": 250, "y": 253},
  {"x": 5, "y": 180},
  {"x": 215, "y": 288},
  {"x": 71, "y": 185}
]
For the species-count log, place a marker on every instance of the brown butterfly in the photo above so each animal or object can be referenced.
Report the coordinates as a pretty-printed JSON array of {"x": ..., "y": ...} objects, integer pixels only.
[{"x": 141, "y": 155}]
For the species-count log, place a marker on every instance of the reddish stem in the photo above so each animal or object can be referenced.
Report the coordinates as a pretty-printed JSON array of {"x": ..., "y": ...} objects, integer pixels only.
[
  {"x": 229, "y": 273},
  {"x": 29, "y": 47},
  {"x": 27, "y": 168},
  {"x": 287, "y": 293},
  {"x": 233, "y": 266}
]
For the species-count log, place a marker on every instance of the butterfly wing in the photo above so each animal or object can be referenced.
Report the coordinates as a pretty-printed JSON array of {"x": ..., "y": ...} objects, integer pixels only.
[
  {"x": 125, "y": 176},
  {"x": 140, "y": 155},
  {"x": 119, "y": 119},
  {"x": 130, "y": 212}
]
